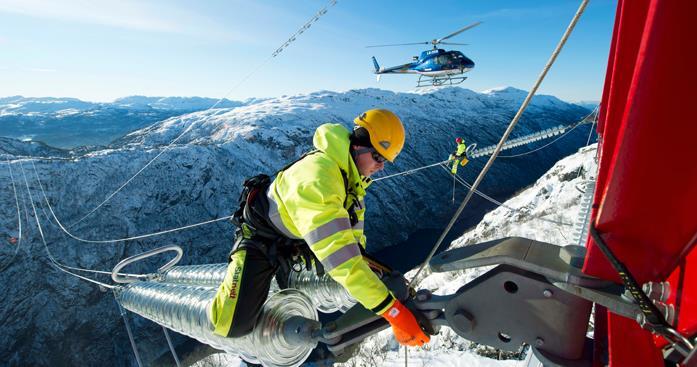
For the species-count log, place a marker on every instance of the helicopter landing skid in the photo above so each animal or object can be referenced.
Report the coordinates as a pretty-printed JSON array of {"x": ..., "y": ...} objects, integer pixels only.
[{"x": 440, "y": 80}]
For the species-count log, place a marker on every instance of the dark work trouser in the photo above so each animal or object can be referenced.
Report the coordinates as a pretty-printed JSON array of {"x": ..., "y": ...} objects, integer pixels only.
[{"x": 239, "y": 299}]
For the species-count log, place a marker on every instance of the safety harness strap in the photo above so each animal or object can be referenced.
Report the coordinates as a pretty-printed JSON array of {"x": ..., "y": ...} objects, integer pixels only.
[{"x": 252, "y": 222}]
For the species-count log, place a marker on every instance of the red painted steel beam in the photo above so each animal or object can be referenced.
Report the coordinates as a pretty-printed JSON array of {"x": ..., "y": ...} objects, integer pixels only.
[{"x": 646, "y": 197}]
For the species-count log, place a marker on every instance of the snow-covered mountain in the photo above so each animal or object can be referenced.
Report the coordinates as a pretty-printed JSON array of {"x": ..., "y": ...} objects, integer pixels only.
[
  {"x": 588, "y": 104},
  {"x": 16, "y": 148},
  {"x": 37, "y": 106},
  {"x": 18, "y": 105},
  {"x": 70, "y": 122},
  {"x": 174, "y": 103},
  {"x": 50, "y": 318}
]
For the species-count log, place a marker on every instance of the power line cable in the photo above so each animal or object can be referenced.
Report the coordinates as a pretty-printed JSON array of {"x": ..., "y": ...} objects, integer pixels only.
[
  {"x": 461, "y": 181},
  {"x": 593, "y": 113},
  {"x": 53, "y": 214},
  {"x": 531, "y": 138},
  {"x": 590, "y": 134},
  {"x": 544, "y": 146},
  {"x": 305, "y": 27},
  {"x": 19, "y": 220},
  {"x": 48, "y": 219},
  {"x": 404, "y": 173},
  {"x": 570, "y": 127},
  {"x": 135, "y": 175},
  {"x": 53, "y": 261}
]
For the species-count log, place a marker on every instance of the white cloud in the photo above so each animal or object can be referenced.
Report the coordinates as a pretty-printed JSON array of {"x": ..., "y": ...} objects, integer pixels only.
[
  {"x": 40, "y": 70},
  {"x": 533, "y": 12},
  {"x": 127, "y": 14}
]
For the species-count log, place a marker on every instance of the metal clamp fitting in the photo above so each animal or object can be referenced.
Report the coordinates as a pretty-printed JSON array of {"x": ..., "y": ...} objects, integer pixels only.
[{"x": 129, "y": 278}]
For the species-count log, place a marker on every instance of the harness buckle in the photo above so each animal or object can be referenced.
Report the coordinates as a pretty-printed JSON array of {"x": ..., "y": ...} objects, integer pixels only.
[{"x": 246, "y": 231}]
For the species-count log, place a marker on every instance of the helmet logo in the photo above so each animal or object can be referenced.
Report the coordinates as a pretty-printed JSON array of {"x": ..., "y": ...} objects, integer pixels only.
[
  {"x": 385, "y": 144},
  {"x": 362, "y": 116}
]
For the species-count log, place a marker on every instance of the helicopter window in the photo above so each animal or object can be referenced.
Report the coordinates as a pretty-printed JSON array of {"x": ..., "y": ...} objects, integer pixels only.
[{"x": 442, "y": 60}]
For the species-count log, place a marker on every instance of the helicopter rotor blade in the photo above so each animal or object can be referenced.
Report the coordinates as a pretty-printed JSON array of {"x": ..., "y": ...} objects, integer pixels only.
[
  {"x": 400, "y": 44},
  {"x": 453, "y": 43},
  {"x": 457, "y": 32}
]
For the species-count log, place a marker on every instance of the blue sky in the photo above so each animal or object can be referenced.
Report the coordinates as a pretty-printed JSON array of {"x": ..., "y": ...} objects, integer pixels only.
[{"x": 102, "y": 49}]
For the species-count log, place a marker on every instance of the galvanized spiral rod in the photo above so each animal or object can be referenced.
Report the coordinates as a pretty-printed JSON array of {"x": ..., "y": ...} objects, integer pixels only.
[
  {"x": 523, "y": 140},
  {"x": 184, "y": 310},
  {"x": 327, "y": 295}
]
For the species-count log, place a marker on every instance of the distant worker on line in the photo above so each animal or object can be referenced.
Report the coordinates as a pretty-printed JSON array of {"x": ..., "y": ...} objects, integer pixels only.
[
  {"x": 314, "y": 210},
  {"x": 459, "y": 156}
]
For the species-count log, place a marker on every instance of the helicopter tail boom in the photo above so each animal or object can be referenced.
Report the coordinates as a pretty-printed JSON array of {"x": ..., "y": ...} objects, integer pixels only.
[{"x": 394, "y": 69}]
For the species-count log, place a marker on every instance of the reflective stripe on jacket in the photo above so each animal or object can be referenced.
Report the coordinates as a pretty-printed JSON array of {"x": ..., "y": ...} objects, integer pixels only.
[
  {"x": 461, "y": 148},
  {"x": 307, "y": 201}
]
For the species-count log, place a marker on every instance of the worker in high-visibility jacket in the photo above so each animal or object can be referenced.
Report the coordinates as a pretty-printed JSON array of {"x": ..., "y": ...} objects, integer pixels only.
[
  {"x": 459, "y": 156},
  {"x": 314, "y": 207}
]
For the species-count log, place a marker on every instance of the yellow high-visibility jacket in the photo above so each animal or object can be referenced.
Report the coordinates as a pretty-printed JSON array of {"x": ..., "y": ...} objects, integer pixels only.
[
  {"x": 461, "y": 148},
  {"x": 307, "y": 201}
]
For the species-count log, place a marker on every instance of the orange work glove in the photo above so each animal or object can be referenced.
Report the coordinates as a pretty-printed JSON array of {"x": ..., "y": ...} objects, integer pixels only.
[{"x": 406, "y": 330}]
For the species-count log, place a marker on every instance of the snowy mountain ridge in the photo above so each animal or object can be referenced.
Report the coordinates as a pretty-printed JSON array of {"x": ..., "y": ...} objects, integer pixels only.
[
  {"x": 35, "y": 106},
  {"x": 69, "y": 122},
  {"x": 16, "y": 105},
  {"x": 282, "y": 114}
]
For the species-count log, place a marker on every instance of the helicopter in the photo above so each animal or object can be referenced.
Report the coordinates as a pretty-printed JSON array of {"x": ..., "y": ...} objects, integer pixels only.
[{"x": 436, "y": 67}]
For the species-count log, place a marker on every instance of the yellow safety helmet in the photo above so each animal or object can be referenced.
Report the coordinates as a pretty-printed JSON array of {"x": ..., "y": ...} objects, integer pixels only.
[{"x": 386, "y": 131}]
